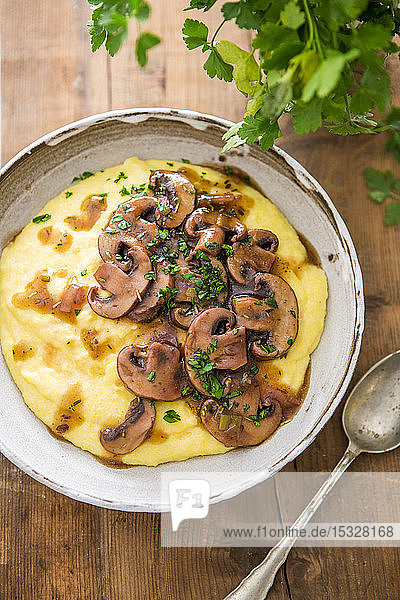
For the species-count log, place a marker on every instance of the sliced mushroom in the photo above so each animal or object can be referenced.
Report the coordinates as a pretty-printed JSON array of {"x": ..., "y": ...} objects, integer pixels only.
[
  {"x": 72, "y": 298},
  {"x": 210, "y": 227},
  {"x": 153, "y": 371},
  {"x": 217, "y": 200},
  {"x": 183, "y": 315},
  {"x": 153, "y": 300},
  {"x": 245, "y": 420},
  {"x": 125, "y": 289},
  {"x": 133, "y": 431},
  {"x": 176, "y": 197},
  {"x": 254, "y": 255},
  {"x": 213, "y": 339},
  {"x": 273, "y": 313},
  {"x": 131, "y": 224}
]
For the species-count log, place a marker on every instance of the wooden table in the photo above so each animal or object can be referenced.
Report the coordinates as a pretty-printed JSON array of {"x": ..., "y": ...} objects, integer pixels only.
[{"x": 53, "y": 548}]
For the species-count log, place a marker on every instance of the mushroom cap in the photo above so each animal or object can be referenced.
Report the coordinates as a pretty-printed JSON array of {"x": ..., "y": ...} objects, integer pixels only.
[
  {"x": 247, "y": 420},
  {"x": 203, "y": 219},
  {"x": 252, "y": 256},
  {"x": 125, "y": 288},
  {"x": 176, "y": 197},
  {"x": 275, "y": 319},
  {"x": 152, "y": 301},
  {"x": 153, "y": 371},
  {"x": 213, "y": 336},
  {"x": 133, "y": 431},
  {"x": 131, "y": 224}
]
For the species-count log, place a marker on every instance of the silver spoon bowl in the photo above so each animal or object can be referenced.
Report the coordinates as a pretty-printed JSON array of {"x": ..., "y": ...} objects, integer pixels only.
[{"x": 371, "y": 420}]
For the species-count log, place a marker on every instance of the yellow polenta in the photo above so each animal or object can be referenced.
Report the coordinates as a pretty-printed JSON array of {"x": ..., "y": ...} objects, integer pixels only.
[{"x": 47, "y": 357}]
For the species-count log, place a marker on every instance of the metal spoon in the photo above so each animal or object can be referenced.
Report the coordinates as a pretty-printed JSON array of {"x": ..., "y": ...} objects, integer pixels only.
[{"x": 371, "y": 420}]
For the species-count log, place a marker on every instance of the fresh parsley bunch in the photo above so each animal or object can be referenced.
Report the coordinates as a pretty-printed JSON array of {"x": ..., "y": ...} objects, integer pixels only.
[
  {"x": 109, "y": 26},
  {"x": 322, "y": 61}
]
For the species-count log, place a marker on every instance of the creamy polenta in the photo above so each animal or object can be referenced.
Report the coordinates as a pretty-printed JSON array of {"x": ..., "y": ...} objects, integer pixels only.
[{"x": 65, "y": 364}]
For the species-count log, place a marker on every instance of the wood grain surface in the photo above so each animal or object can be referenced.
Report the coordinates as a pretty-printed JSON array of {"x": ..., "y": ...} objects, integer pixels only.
[{"x": 53, "y": 548}]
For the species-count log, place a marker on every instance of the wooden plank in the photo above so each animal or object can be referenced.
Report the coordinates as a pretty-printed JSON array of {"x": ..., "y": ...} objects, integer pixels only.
[{"x": 49, "y": 76}]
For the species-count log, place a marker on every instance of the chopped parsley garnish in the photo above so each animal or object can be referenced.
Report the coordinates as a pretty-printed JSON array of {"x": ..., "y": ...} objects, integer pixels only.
[
  {"x": 120, "y": 176},
  {"x": 77, "y": 312},
  {"x": 186, "y": 161},
  {"x": 151, "y": 376},
  {"x": 271, "y": 301},
  {"x": 84, "y": 272},
  {"x": 151, "y": 275},
  {"x": 211, "y": 245},
  {"x": 68, "y": 194},
  {"x": 82, "y": 176},
  {"x": 269, "y": 348},
  {"x": 169, "y": 295},
  {"x": 254, "y": 370},
  {"x": 124, "y": 192},
  {"x": 227, "y": 249},
  {"x": 186, "y": 389},
  {"x": 171, "y": 416},
  {"x": 41, "y": 218},
  {"x": 203, "y": 365},
  {"x": 290, "y": 341},
  {"x": 292, "y": 312}
]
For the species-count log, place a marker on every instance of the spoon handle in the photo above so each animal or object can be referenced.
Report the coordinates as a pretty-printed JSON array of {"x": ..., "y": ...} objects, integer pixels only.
[{"x": 257, "y": 584}]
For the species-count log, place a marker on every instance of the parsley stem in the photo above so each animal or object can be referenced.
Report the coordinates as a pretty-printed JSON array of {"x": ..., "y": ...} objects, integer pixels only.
[
  {"x": 313, "y": 30},
  {"x": 216, "y": 32}
]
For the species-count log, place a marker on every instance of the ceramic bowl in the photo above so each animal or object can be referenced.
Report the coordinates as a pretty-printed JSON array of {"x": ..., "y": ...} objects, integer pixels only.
[{"x": 46, "y": 167}]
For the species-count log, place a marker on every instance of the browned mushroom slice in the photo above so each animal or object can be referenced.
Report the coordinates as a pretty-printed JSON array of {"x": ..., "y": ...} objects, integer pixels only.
[
  {"x": 245, "y": 420},
  {"x": 210, "y": 227},
  {"x": 133, "y": 431},
  {"x": 213, "y": 342},
  {"x": 183, "y": 315},
  {"x": 125, "y": 289},
  {"x": 217, "y": 200},
  {"x": 254, "y": 255},
  {"x": 131, "y": 224},
  {"x": 153, "y": 371},
  {"x": 153, "y": 300},
  {"x": 176, "y": 197},
  {"x": 273, "y": 314}
]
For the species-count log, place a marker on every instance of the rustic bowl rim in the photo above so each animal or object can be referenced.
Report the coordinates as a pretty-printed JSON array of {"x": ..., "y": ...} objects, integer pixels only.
[{"x": 341, "y": 230}]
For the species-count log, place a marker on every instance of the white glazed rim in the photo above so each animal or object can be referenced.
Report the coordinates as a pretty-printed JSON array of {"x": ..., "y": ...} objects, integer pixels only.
[{"x": 342, "y": 232}]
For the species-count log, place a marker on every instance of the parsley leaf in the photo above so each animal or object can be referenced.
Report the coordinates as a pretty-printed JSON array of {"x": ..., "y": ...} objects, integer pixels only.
[
  {"x": 171, "y": 416},
  {"x": 392, "y": 213},
  {"x": 216, "y": 66},
  {"x": 195, "y": 34},
  {"x": 144, "y": 43}
]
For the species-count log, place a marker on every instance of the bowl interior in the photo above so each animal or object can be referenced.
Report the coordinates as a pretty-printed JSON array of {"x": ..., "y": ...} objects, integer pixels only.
[{"x": 40, "y": 172}]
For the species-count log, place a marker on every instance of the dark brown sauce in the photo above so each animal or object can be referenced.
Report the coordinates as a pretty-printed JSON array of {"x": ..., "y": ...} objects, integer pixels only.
[
  {"x": 69, "y": 413},
  {"x": 36, "y": 296},
  {"x": 22, "y": 350},
  {"x": 312, "y": 254},
  {"x": 60, "y": 239},
  {"x": 91, "y": 342},
  {"x": 91, "y": 209}
]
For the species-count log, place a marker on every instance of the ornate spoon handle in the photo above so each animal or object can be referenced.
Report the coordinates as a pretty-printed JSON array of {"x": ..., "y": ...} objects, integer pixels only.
[{"x": 259, "y": 581}]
